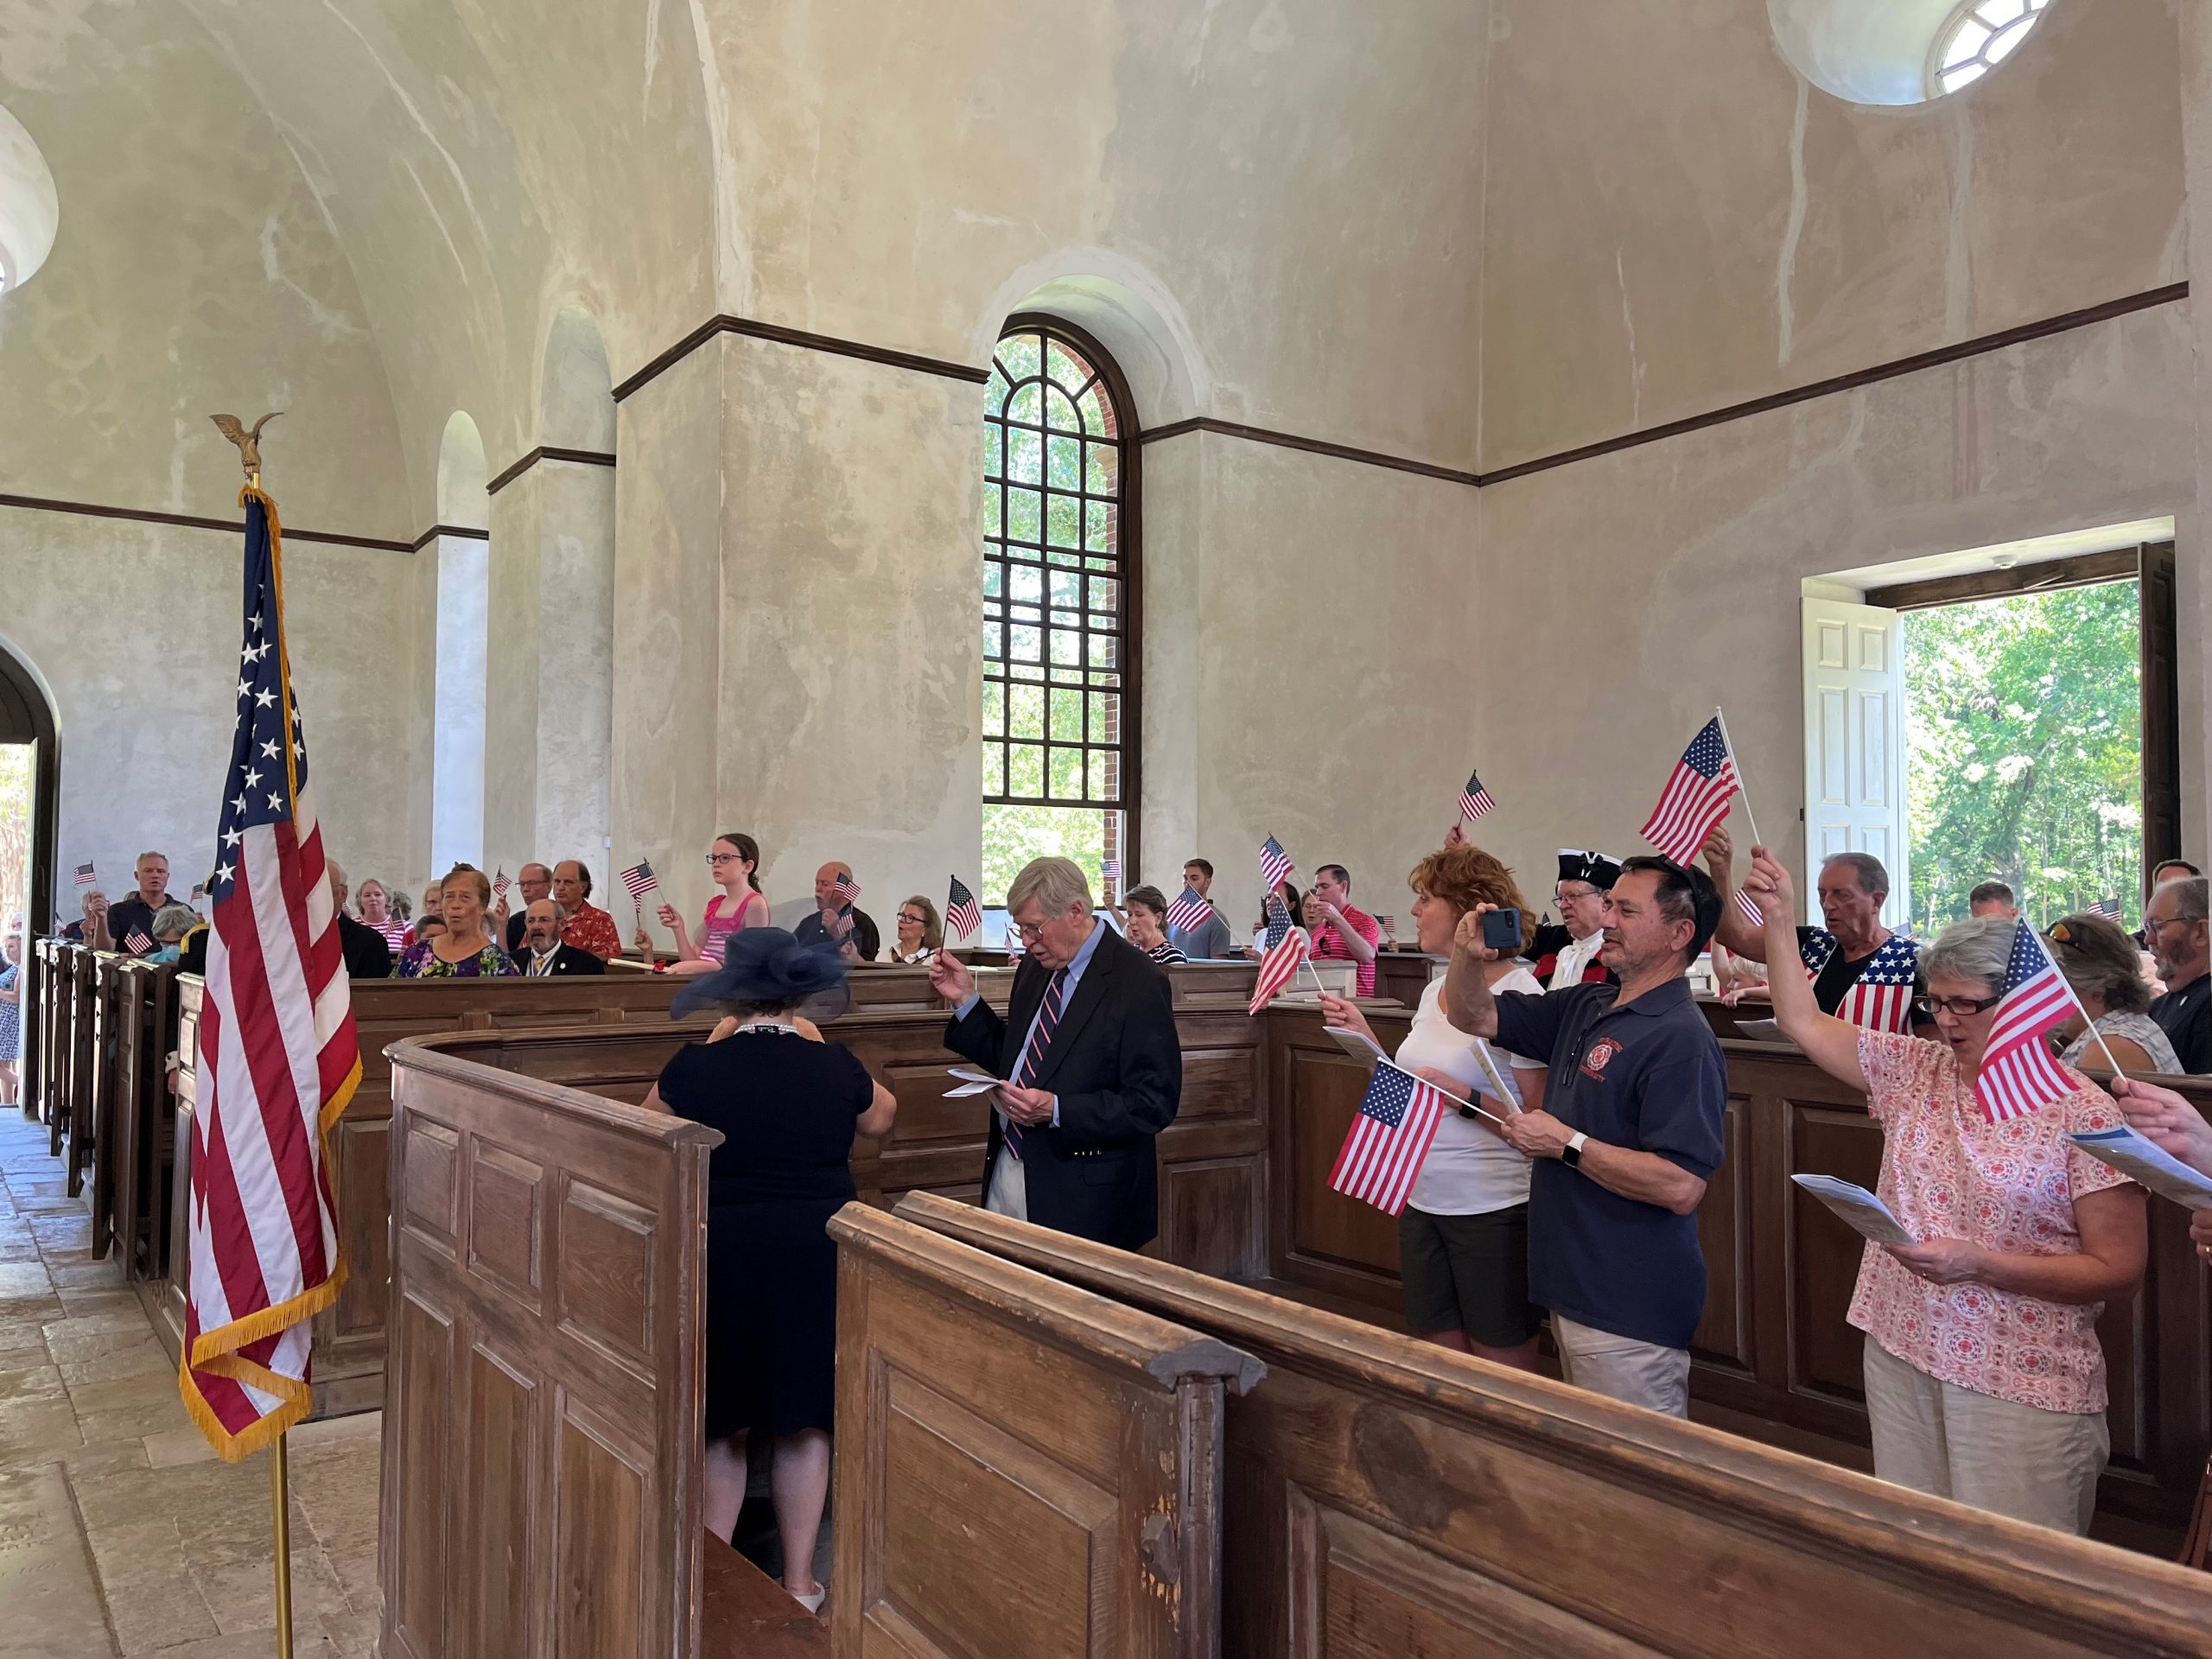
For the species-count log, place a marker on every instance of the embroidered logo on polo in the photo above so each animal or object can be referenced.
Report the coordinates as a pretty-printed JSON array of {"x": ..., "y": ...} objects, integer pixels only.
[
  {"x": 1599, "y": 1057},
  {"x": 1881, "y": 999}
]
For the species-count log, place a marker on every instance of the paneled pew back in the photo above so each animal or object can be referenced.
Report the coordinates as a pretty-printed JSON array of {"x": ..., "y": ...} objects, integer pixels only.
[
  {"x": 1387, "y": 1498},
  {"x": 1774, "y": 1357},
  {"x": 541, "y": 1489}
]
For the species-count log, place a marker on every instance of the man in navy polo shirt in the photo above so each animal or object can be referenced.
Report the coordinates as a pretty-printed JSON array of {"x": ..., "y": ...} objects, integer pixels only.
[{"x": 1630, "y": 1134}]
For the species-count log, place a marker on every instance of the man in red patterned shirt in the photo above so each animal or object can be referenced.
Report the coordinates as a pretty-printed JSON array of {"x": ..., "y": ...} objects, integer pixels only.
[
  {"x": 1341, "y": 928},
  {"x": 589, "y": 928}
]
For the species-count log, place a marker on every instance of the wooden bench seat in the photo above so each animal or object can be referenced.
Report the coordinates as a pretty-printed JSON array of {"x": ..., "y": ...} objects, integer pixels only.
[
  {"x": 745, "y": 1614},
  {"x": 1388, "y": 1497}
]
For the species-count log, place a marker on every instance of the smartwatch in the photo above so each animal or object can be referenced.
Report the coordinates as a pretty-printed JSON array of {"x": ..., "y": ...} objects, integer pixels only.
[{"x": 1571, "y": 1153}]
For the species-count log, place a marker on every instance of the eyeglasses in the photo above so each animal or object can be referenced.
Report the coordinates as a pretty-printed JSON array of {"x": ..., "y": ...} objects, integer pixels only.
[
  {"x": 724, "y": 858},
  {"x": 1029, "y": 935},
  {"x": 909, "y": 916},
  {"x": 1961, "y": 1007}
]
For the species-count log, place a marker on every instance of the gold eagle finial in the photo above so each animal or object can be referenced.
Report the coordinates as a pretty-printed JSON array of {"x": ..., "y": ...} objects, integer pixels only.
[{"x": 248, "y": 440}]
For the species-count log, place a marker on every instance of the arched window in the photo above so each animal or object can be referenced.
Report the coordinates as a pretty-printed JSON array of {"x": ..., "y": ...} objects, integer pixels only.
[
  {"x": 1059, "y": 613},
  {"x": 1979, "y": 37}
]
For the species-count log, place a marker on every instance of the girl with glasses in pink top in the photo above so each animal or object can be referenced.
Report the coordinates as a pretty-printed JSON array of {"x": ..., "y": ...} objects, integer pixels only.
[{"x": 734, "y": 861}]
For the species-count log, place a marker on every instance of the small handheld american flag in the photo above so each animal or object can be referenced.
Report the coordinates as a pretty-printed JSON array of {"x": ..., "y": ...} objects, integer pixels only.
[
  {"x": 1696, "y": 797},
  {"x": 2108, "y": 908},
  {"x": 2018, "y": 1073},
  {"x": 962, "y": 912},
  {"x": 1189, "y": 911},
  {"x": 844, "y": 889},
  {"x": 499, "y": 885},
  {"x": 84, "y": 877},
  {"x": 1278, "y": 921},
  {"x": 136, "y": 942},
  {"x": 1390, "y": 1136},
  {"x": 1474, "y": 800},
  {"x": 640, "y": 880},
  {"x": 1279, "y": 966},
  {"x": 1275, "y": 865}
]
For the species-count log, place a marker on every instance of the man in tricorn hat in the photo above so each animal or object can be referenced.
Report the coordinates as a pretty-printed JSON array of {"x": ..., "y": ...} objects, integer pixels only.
[{"x": 1566, "y": 951}]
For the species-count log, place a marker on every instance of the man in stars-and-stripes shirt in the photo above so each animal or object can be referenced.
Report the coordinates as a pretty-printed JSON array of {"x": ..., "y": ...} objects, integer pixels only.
[{"x": 1862, "y": 972}]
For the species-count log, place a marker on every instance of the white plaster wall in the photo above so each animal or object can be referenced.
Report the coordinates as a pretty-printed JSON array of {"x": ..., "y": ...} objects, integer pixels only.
[
  {"x": 1627, "y": 595},
  {"x": 513, "y": 746},
  {"x": 135, "y": 628},
  {"x": 667, "y": 650},
  {"x": 1324, "y": 694},
  {"x": 851, "y": 678},
  {"x": 1675, "y": 221},
  {"x": 575, "y": 658}
]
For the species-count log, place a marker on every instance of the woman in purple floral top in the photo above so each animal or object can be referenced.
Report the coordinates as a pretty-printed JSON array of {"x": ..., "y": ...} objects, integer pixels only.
[{"x": 465, "y": 950}]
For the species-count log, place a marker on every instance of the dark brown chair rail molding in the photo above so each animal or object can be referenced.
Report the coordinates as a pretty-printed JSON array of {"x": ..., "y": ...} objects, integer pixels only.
[
  {"x": 193, "y": 521},
  {"x": 783, "y": 336},
  {"x": 1939, "y": 357},
  {"x": 548, "y": 452},
  {"x": 461, "y": 532}
]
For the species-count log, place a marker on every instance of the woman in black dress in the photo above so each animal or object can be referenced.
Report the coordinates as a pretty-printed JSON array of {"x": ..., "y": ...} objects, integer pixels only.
[{"x": 787, "y": 1104}]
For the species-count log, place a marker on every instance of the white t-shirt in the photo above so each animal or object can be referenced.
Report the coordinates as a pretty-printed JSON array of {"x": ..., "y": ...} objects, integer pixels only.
[{"x": 1469, "y": 1170}]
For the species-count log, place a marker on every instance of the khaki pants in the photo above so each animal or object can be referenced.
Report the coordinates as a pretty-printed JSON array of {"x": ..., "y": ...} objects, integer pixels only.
[
  {"x": 2035, "y": 1466},
  {"x": 1621, "y": 1368}
]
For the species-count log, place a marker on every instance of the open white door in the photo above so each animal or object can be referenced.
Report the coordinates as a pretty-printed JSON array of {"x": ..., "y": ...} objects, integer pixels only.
[{"x": 1854, "y": 743}]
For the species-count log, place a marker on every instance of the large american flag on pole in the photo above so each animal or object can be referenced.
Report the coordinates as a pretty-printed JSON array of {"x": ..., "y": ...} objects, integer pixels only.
[
  {"x": 2019, "y": 1072},
  {"x": 277, "y": 1057},
  {"x": 1696, "y": 797},
  {"x": 1390, "y": 1136}
]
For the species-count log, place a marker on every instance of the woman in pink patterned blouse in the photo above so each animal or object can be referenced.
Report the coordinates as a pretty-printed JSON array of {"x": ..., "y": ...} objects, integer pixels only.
[{"x": 1985, "y": 1381}]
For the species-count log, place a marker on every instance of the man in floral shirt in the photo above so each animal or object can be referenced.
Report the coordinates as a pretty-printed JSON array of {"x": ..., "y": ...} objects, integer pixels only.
[{"x": 590, "y": 928}]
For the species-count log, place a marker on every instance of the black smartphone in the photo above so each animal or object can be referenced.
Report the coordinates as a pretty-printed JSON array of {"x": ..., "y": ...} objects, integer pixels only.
[{"x": 1502, "y": 930}]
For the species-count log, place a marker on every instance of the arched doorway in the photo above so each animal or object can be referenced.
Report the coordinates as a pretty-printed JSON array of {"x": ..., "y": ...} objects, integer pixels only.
[{"x": 26, "y": 722}]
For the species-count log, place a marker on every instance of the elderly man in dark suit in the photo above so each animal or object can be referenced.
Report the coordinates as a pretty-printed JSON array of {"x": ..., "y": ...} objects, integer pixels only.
[
  {"x": 1093, "y": 1067},
  {"x": 543, "y": 956}
]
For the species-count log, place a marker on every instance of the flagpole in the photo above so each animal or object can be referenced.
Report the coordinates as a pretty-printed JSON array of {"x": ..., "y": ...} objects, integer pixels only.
[
  {"x": 280, "y": 1498},
  {"x": 1743, "y": 789}
]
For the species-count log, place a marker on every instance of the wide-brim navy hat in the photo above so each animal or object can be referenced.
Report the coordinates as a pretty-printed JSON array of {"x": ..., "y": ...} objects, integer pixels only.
[{"x": 768, "y": 965}]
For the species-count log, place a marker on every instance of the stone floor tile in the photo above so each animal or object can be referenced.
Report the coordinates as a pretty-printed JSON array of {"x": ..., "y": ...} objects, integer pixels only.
[
  {"x": 97, "y": 1344},
  {"x": 114, "y": 1392},
  {"x": 332, "y": 1431},
  {"x": 151, "y": 1602},
  {"x": 176, "y": 1446},
  {"x": 146, "y": 1357},
  {"x": 24, "y": 1280},
  {"x": 48, "y": 1583},
  {"x": 133, "y": 1422},
  {"x": 30, "y": 1382},
  {"x": 242, "y": 1595},
  {"x": 35, "y": 1431},
  {"x": 126, "y": 1317}
]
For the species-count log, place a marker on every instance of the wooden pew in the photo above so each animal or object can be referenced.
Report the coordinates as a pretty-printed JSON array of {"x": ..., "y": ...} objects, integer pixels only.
[
  {"x": 541, "y": 1489},
  {"x": 1388, "y": 1498},
  {"x": 52, "y": 1008},
  {"x": 1774, "y": 1357},
  {"x": 73, "y": 1136},
  {"x": 542, "y": 1449},
  {"x": 1022, "y": 1468},
  {"x": 145, "y": 1116}
]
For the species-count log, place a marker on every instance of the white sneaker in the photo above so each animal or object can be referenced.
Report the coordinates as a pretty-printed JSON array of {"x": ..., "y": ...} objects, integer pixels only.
[{"x": 812, "y": 1599}]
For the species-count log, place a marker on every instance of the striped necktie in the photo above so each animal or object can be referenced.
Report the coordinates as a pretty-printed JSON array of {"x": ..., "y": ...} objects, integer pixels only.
[{"x": 1025, "y": 1075}]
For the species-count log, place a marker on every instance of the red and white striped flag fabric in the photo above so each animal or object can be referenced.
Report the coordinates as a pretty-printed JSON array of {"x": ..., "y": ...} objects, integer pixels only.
[
  {"x": 499, "y": 885},
  {"x": 84, "y": 877},
  {"x": 1696, "y": 797},
  {"x": 136, "y": 942},
  {"x": 277, "y": 1061},
  {"x": 1281, "y": 965},
  {"x": 843, "y": 888},
  {"x": 2018, "y": 1073},
  {"x": 961, "y": 913},
  {"x": 1390, "y": 1135},
  {"x": 1474, "y": 800},
  {"x": 640, "y": 880},
  {"x": 1189, "y": 911},
  {"x": 1752, "y": 911},
  {"x": 1275, "y": 865}
]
